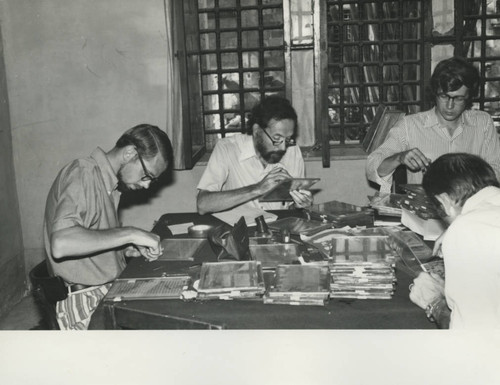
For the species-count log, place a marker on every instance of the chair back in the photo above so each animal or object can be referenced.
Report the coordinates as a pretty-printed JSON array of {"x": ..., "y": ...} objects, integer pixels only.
[{"x": 47, "y": 290}]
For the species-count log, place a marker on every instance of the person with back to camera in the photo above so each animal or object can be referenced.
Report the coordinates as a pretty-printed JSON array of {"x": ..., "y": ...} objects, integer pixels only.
[
  {"x": 243, "y": 167},
  {"x": 450, "y": 126},
  {"x": 467, "y": 189},
  {"x": 84, "y": 242}
]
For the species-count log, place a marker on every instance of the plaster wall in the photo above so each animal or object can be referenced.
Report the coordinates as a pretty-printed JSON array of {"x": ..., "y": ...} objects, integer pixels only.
[{"x": 81, "y": 72}]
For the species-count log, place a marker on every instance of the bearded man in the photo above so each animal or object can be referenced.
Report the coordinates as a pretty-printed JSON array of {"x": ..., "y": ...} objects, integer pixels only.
[
  {"x": 243, "y": 167},
  {"x": 85, "y": 243}
]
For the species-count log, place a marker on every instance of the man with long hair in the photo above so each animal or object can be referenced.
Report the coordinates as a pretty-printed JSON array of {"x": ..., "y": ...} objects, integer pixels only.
[{"x": 450, "y": 126}]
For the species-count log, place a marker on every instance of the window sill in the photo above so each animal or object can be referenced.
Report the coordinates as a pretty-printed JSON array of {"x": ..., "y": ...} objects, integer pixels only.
[{"x": 336, "y": 153}]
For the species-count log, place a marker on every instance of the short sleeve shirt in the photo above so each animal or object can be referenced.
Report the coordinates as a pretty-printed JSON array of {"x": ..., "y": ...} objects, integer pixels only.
[
  {"x": 235, "y": 164},
  {"x": 84, "y": 194}
]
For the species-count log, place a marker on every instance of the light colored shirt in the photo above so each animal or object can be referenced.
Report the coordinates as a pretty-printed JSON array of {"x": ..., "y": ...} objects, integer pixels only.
[
  {"x": 235, "y": 164},
  {"x": 471, "y": 250},
  {"x": 84, "y": 194},
  {"x": 475, "y": 135}
]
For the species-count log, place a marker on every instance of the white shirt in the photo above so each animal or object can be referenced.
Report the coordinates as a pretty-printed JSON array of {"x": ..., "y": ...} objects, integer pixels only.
[
  {"x": 235, "y": 164},
  {"x": 475, "y": 135},
  {"x": 471, "y": 250}
]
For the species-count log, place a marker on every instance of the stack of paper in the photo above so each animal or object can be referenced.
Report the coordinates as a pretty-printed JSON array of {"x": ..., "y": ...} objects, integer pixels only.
[
  {"x": 362, "y": 267},
  {"x": 299, "y": 285},
  {"x": 230, "y": 280}
]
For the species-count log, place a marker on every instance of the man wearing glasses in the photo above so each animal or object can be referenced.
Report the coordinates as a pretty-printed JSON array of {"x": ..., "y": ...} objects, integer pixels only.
[
  {"x": 243, "y": 167},
  {"x": 451, "y": 126},
  {"x": 84, "y": 241}
]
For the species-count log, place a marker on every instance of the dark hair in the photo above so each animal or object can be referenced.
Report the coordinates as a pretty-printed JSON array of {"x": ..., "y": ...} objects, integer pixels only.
[
  {"x": 272, "y": 107},
  {"x": 460, "y": 175},
  {"x": 451, "y": 74},
  {"x": 149, "y": 141}
]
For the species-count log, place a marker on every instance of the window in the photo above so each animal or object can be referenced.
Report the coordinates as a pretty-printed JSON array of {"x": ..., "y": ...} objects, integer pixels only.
[
  {"x": 375, "y": 51},
  {"x": 242, "y": 60},
  {"x": 337, "y": 60}
]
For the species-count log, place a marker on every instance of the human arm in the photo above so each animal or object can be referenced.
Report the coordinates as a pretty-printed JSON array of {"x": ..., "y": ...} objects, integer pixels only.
[
  {"x": 78, "y": 241},
  {"x": 413, "y": 159},
  {"x": 215, "y": 201},
  {"x": 427, "y": 291},
  {"x": 397, "y": 141}
]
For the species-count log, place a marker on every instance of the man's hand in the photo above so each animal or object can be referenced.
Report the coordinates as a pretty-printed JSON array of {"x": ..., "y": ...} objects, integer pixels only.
[
  {"x": 426, "y": 288},
  {"x": 147, "y": 244},
  {"x": 302, "y": 198},
  {"x": 414, "y": 159},
  {"x": 274, "y": 177}
]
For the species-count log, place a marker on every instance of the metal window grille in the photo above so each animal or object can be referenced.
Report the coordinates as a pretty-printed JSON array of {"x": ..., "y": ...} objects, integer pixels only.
[
  {"x": 480, "y": 39},
  {"x": 242, "y": 60},
  {"x": 375, "y": 52}
]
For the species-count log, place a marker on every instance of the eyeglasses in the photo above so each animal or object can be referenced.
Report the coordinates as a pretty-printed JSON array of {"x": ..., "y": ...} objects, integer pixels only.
[
  {"x": 460, "y": 99},
  {"x": 147, "y": 175},
  {"x": 289, "y": 142}
]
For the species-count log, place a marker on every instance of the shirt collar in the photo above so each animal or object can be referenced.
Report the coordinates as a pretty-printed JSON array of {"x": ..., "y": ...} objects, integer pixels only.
[
  {"x": 432, "y": 120},
  {"x": 247, "y": 149},
  {"x": 482, "y": 195},
  {"x": 108, "y": 174}
]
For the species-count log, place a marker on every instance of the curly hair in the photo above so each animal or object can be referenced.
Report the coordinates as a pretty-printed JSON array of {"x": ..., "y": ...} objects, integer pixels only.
[{"x": 272, "y": 107}]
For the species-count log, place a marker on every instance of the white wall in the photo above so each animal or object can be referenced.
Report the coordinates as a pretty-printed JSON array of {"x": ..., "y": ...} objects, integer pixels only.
[{"x": 79, "y": 73}]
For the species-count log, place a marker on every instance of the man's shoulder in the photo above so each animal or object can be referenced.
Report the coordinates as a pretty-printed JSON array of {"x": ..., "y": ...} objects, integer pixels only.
[
  {"x": 234, "y": 145},
  {"x": 78, "y": 168},
  {"x": 234, "y": 140},
  {"x": 420, "y": 117},
  {"x": 475, "y": 117}
]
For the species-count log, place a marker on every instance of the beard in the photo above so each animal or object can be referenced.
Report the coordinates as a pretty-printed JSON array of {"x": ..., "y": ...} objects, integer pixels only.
[{"x": 270, "y": 157}]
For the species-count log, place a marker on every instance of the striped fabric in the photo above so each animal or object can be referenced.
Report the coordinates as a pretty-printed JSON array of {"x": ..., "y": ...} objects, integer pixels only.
[
  {"x": 475, "y": 135},
  {"x": 74, "y": 312}
]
